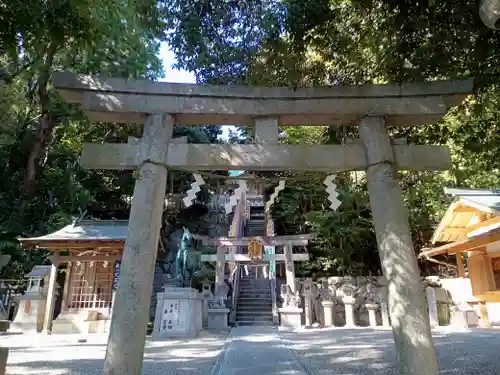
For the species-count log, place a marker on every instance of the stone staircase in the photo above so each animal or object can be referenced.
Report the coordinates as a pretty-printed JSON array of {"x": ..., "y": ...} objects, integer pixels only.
[
  {"x": 256, "y": 225},
  {"x": 254, "y": 306}
]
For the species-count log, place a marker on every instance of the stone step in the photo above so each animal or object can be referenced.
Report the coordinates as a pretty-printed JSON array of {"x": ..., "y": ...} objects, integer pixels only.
[
  {"x": 263, "y": 324},
  {"x": 264, "y": 306},
  {"x": 254, "y": 309},
  {"x": 268, "y": 320},
  {"x": 254, "y": 314},
  {"x": 255, "y": 319},
  {"x": 244, "y": 297},
  {"x": 255, "y": 304},
  {"x": 255, "y": 300}
]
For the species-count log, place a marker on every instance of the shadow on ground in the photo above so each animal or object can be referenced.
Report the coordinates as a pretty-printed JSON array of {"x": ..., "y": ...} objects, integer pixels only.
[
  {"x": 179, "y": 357},
  {"x": 372, "y": 352}
]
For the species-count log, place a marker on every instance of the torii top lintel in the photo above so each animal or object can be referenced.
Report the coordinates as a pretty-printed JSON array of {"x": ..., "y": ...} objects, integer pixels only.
[{"x": 131, "y": 101}]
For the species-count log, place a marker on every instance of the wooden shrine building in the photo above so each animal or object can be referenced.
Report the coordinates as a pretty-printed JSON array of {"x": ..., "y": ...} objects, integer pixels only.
[
  {"x": 470, "y": 230},
  {"x": 88, "y": 251}
]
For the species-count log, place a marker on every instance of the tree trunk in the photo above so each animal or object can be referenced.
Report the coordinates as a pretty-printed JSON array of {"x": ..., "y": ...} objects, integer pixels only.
[{"x": 45, "y": 128}]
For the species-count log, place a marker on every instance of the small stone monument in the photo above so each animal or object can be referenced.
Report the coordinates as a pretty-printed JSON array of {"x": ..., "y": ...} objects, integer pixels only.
[{"x": 179, "y": 313}]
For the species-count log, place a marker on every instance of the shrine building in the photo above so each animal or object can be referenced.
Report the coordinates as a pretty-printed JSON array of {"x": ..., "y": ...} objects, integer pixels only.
[
  {"x": 85, "y": 259},
  {"x": 470, "y": 230}
]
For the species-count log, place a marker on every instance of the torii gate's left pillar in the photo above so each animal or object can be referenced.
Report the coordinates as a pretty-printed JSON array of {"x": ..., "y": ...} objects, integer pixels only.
[{"x": 130, "y": 316}]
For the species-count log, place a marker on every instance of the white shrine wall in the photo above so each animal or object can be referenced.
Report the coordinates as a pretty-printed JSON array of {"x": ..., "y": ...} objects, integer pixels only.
[{"x": 460, "y": 290}]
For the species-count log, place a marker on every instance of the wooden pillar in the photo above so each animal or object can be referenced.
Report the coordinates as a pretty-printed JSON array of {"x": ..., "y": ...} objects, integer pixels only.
[
  {"x": 407, "y": 306},
  {"x": 289, "y": 267},
  {"x": 130, "y": 316},
  {"x": 483, "y": 313},
  {"x": 51, "y": 296},
  {"x": 460, "y": 264},
  {"x": 67, "y": 280}
]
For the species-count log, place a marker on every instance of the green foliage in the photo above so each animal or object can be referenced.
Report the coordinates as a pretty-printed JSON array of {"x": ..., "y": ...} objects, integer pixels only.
[{"x": 42, "y": 185}]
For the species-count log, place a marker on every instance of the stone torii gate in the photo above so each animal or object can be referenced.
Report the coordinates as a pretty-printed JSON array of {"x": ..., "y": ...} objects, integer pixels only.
[{"x": 159, "y": 106}]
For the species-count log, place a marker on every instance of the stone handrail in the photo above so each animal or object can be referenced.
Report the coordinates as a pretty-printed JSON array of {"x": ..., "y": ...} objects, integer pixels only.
[
  {"x": 274, "y": 300},
  {"x": 234, "y": 299}
]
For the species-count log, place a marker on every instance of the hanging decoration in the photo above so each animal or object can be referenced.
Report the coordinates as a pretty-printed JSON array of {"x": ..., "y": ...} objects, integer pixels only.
[
  {"x": 195, "y": 188},
  {"x": 233, "y": 200},
  {"x": 274, "y": 195},
  {"x": 331, "y": 189}
]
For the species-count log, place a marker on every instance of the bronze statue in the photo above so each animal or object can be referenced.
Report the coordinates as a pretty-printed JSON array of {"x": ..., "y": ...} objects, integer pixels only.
[{"x": 186, "y": 261}]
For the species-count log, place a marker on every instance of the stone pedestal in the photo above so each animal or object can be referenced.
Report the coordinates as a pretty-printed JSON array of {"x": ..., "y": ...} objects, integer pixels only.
[
  {"x": 463, "y": 316},
  {"x": 178, "y": 313},
  {"x": 372, "y": 316},
  {"x": 290, "y": 317},
  {"x": 328, "y": 312},
  {"x": 217, "y": 318},
  {"x": 349, "y": 310},
  {"x": 30, "y": 314}
]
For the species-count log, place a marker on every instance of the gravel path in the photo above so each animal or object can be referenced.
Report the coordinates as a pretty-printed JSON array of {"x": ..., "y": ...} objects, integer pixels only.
[
  {"x": 64, "y": 355},
  {"x": 372, "y": 352}
]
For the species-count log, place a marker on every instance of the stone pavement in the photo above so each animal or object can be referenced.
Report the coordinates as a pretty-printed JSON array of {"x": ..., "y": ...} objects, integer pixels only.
[
  {"x": 257, "y": 351},
  {"x": 64, "y": 355}
]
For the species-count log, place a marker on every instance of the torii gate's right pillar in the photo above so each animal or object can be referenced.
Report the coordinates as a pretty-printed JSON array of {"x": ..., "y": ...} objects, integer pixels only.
[{"x": 410, "y": 323}]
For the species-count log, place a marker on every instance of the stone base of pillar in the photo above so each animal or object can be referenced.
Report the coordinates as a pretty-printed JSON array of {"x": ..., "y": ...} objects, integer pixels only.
[
  {"x": 217, "y": 318},
  {"x": 4, "y": 354},
  {"x": 291, "y": 317}
]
